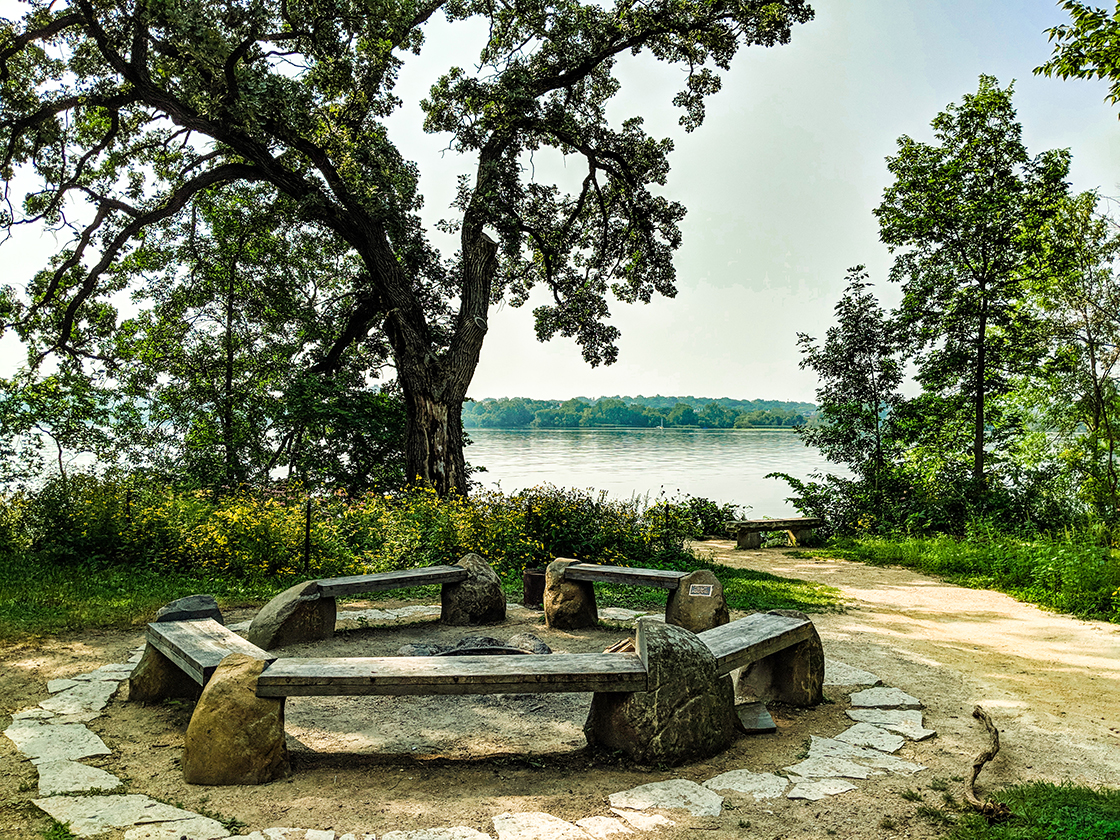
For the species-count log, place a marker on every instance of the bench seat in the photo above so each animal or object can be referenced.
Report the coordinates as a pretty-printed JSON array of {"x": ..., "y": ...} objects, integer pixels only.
[
  {"x": 747, "y": 640},
  {"x": 197, "y": 646},
  {"x": 659, "y": 578},
  {"x": 383, "y": 581},
  {"x": 405, "y": 675},
  {"x": 748, "y": 532}
]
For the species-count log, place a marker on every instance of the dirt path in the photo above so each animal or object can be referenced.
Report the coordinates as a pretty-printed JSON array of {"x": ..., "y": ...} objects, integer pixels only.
[{"x": 1052, "y": 684}]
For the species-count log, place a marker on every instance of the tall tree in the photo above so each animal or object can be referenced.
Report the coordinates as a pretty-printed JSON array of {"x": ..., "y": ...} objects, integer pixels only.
[
  {"x": 860, "y": 371},
  {"x": 134, "y": 108},
  {"x": 1087, "y": 47},
  {"x": 965, "y": 216}
]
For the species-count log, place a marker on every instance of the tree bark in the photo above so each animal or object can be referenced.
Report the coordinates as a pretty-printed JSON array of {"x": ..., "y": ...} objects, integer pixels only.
[{"x": 981, "y": 376}]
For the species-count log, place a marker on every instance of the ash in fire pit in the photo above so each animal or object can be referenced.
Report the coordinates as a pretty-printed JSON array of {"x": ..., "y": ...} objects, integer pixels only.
[{"x": 521, "y": 643}]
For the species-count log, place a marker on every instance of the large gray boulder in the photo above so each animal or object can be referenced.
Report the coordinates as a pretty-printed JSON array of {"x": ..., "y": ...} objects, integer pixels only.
[
  {"x": 235, "y": 737},
  {"x": 794, "y": 675},
  {"x": 687, "y": 713},
  {"x": 477, "y": 600},
  {"x": 156, "y": 678},
  {"x": 568, "y": 604},
  {"x": 298, "y": 614},
  {"x": 190, "y": 607},
  {"x": 697, "y": 604}
]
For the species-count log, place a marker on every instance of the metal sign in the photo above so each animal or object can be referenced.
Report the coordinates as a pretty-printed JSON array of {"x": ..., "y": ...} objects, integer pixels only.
[{"x": 700, "y": 590}]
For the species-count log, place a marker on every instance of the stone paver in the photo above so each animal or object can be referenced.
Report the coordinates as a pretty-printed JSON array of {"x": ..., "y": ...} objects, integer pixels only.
[
  {"x": 71, "y": 777},
  {"x": 827, "y": 766},
  {"x": 536, "y": 825},
  {"x": 619, "y": 614},
  {"x": 644, "y": 822},
  {"x": 83, "y": 697},
  {"x": 871, "y": 736},
  {"x": 885, "y": 698},
  {"x": 817, "y": 790},
  {"x": 90, "y": 815},
  {"x": 458, "y": 832},
  {"x": 603, "y": 828},
  {"x": 672, "y": 794},
  {"x": 904, "y": 722},
  {"x": 761, "y": 785},
  {"x": 54, "y": 686},
  {"x": 195, "y": 828},
  {"x": 832, "y": 748},
  {"x": 54, "y": 741},
  {"x": 837, "y": 673}
]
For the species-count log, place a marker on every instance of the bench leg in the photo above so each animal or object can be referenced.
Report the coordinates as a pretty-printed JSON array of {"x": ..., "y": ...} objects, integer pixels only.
[
  {"x": 298, "y": 614},
  {"x": 568, "y": 604},
  {"x": 801, "y": 537},
  {"x": 749, "y": 540},
  {"x": 235, "y": 737},
  {"x": 156, "y": 678},
  {"x": 794, "y": 675}
]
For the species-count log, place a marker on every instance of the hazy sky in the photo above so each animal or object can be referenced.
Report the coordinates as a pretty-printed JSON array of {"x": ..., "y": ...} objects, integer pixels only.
[{"x": 779, "y": 182}]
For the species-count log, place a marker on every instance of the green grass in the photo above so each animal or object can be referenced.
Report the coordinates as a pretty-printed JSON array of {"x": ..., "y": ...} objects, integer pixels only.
[
  {"x": 42, "y": 600},
  {"x": 1070, "y": 574},
  {"x": 1045, "y": 811}
]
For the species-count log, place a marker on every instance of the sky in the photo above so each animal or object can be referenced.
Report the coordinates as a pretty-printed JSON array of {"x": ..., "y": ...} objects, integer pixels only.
[{"x": 780, "y": 182}]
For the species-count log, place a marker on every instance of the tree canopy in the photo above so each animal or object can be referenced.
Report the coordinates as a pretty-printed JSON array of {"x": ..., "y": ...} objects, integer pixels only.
[
  {"x": 115, "y": 117},
  {"x": 1086, "y": 48}
]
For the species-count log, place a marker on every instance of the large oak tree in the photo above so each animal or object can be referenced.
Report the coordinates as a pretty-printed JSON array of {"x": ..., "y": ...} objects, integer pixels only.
[{"x": 120, "y": 113}]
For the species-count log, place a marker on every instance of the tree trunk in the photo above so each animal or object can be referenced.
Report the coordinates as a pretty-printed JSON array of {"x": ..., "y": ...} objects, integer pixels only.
[
  {"x": 981, "y": 370},
  {"x": 434, "y": 442}
]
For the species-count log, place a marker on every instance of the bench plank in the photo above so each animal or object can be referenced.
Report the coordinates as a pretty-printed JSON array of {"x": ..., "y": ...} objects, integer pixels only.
[
  {"x": 794, "y": 523},
  {"x": 405, "y": 675},
  {"x": 755, "y": 637},
  {"x": 381, "y": 581},
  {"x": 197, "y": 646},
  {"x": 660, "y": 578}
]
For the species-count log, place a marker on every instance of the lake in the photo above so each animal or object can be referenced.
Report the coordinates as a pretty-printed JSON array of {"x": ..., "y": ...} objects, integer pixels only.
[{"x": 725, "y": 465}]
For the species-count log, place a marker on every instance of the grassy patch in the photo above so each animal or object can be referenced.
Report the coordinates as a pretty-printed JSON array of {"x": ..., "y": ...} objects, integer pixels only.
[
  {"x": 1072, "y": 575},
  {"x": 1045, "y": 811}
]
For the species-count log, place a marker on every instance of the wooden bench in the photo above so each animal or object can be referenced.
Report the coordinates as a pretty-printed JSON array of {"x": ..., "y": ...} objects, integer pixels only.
[
  {"x": 658, "y": 578},
  {"x": 787, "y": 642},
  {"x": 340, "y": 587},
  {"x": 748, "y": 532},
  {"x": 197, "y": 646}
]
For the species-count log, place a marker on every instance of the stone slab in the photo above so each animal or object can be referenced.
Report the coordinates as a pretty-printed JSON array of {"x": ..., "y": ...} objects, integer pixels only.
[
  {"x": 831, "y": 748},
  {"x": 33, "y": 714},
  {"x": 114, "y": 672},
  {"x": 885, "y": 698},
  {"x": 536, "y": 825},
  {"x": 603, "y": 828},
  {"x": 827, "y": 767},
  {"x": 817, "y": 790},
  {"x": 90, "y": 815},
  {"x": 871, "y": 736},
  {"x": 54, "y": 741},
  {"x": 319, "y": 834},
  {"x": 619, "y": 614},
  {"x": 760, "y": 785},
  {"x": 754, "y": 718},
  {"x": 907, "y": 723},
  {"x": 83, "y": 697},
  {"x": 352, "y": 836},
  {"x": 57, "y": 777},
  {"x": 458, "y": 832},
  {"x": 196, "y": 828},
  {"x": 55, "y": 686},
  {"x": 644, "y": 822},
  {"x": 675, "y": 794},
  {"x": 838, "y": 673}
]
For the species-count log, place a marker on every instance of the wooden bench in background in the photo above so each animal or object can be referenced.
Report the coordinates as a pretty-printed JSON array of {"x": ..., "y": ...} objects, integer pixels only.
[{"x": 748, "y": 532}]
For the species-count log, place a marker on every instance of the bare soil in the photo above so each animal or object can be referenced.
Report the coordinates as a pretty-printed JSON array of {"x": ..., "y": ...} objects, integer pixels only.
[{"x": 1050, "y": 682}]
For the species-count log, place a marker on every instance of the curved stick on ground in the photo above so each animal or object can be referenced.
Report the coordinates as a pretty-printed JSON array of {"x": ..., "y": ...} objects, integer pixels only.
[{"x": 994, "y": 811}]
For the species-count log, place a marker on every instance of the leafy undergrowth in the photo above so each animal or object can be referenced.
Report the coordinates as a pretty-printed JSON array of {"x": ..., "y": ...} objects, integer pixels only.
[{"x": 1045, "y": 811}]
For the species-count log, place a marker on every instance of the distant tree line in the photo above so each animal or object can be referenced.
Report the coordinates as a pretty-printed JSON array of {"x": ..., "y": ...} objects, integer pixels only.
[{"x": 637, "y": 412}]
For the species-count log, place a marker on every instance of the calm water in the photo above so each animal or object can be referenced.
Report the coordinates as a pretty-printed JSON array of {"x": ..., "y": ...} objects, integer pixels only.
[{"x": 727, "y": 465}]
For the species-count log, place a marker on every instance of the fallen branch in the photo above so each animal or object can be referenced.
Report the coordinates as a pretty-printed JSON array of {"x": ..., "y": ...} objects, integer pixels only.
[{"x": 994, "y": 811}]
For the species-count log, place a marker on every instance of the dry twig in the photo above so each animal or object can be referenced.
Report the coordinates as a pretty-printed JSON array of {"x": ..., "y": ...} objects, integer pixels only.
[{"x": 994, "y": 811}]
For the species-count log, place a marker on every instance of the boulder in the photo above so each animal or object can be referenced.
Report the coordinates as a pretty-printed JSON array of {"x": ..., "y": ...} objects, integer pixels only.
[
  {"x": 156, "y": 678},
  {"x": 477, "y": 600},
  {"x": 687, "y": 712},
  {"x": 697, "y": 604},
  {"x": 568, "y": 604},
  {"x": 235, "y": 737},
  {"x": 794, "y": 675},
  {"x": 298, "y": 614},
  {"x": 529, "y": 643},
  {"x": 193, "y": 606}
]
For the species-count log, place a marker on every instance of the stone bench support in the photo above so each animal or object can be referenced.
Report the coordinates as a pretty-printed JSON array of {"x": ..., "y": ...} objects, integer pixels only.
[{"x": 748, "y": 532}]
